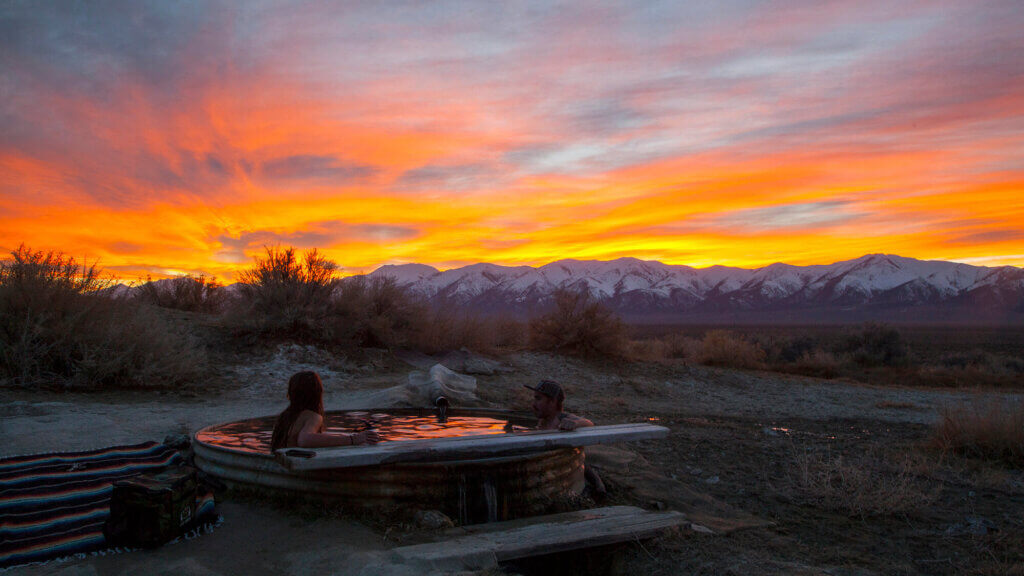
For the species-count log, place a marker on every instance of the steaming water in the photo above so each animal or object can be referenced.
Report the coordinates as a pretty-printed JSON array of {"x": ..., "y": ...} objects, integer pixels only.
[{"x": 254, "y": 435}]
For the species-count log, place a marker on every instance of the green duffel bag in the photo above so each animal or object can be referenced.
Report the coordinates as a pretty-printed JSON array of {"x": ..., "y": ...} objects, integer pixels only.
[{"x": 151, "y": 509}]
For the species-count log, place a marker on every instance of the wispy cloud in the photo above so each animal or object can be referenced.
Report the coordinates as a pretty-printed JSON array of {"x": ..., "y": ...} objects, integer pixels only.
[
  {"x": 786, "y": 216},
  {"x": 740, "y": 132},
  {"x": 314, "y": 167}
]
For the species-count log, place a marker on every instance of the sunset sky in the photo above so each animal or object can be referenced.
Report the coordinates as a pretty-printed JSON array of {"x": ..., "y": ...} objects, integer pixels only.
[{"x": 182, "y": 137}]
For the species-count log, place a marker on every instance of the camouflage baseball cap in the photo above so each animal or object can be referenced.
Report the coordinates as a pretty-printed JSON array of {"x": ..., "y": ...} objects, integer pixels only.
[{"x": 549, "y": 388}]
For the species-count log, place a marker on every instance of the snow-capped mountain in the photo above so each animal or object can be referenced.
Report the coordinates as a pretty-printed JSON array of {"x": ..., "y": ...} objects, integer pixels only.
[{"x": 877, "y": 285}]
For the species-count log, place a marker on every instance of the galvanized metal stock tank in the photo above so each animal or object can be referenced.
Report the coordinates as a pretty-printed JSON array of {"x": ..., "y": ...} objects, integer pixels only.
[{"x": 469, "y": 491}]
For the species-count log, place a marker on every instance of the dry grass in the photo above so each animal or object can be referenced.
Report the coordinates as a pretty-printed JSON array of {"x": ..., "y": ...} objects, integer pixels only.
[
  {"x": 817, "y": 363},
  {"x": 992, "y": 430},
  {"x": 960, "y": 377},
  {"x": 858, "y": 488},
  {"x": 669, "y": 347},
  {"x": 872, "y": 352},
  {"x": 723, "y": 348},
  {"x": 716, "y": 348}
]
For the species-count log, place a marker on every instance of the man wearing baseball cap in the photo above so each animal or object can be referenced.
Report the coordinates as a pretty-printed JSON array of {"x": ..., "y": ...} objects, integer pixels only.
[{"x": 548, "y": 398}]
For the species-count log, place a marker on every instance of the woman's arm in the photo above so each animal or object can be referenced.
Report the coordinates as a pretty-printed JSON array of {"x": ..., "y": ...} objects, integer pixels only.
[{"x": 310, "y": 437}]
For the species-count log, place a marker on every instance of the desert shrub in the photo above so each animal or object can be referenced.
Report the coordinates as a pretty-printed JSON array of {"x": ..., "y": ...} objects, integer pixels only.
[
  {"x": 55, "y": 328},
  {"x": 291, "y": 298},
  {"x": 983, "y": 361},
  {"x": 723, "y": 348},
  {"x": 818, "y": 363},
  {"x": 874, "y": 344},
  {"x": 993, "y": 430},
  {"x": 189, "y": 293},
  {"x": 969, "y": 377},
  {"x": 578, "y": 325},
  {"x": 973, "y": 368},
  {"x": 858, "y": 488},
  {"x": 382, "y": 314},
  {"x": 798, "y": 348},
  {"x": 509, "y": 333},
  {"x": 645, "y": 349},
  {"x": 973, "y": 358},
  {"x": 679, "y": 346},
  {"x": 672, "y": 346},
  {"x": 448, "y": 329},
  {"x": 283, "y": 295}
]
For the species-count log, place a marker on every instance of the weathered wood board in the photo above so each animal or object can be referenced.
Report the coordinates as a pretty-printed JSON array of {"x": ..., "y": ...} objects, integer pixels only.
[
  {"x": 538, "y": 535},
  {"x": 462, "y": 447}
]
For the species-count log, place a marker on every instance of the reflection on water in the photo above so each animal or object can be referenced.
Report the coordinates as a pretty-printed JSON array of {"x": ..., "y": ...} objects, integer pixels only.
[{"x": 254, "y": 435}]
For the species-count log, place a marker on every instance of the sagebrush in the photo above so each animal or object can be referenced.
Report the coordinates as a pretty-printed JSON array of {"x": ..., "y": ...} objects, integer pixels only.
[
  {"x": 286, "y": 296},
  {"x": 189, "y": 293},
  {"x": 56, "y": 327},
  {"x": 578, "y": 325}
]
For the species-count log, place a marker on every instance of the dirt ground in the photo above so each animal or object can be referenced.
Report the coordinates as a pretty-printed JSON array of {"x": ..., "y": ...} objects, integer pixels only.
[{"x": 840, "y": 474}]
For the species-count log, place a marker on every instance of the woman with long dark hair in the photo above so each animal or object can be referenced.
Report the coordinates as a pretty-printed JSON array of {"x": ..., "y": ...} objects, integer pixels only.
[{"x": 302, "y": 423}]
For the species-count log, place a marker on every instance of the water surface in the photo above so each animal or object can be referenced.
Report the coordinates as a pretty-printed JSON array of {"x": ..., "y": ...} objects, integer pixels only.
[{"x": 254, "y": 435}]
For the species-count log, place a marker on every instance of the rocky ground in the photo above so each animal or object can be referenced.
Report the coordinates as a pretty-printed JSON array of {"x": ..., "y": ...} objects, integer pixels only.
[{"x": 840, "y": 475}]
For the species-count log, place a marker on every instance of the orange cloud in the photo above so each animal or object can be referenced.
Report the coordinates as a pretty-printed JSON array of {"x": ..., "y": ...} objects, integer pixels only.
[{"x": 441, "y": 137}]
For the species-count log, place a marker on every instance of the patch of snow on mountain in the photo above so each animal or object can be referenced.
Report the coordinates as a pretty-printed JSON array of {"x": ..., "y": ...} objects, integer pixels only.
[{"x": 405, "y": 273}]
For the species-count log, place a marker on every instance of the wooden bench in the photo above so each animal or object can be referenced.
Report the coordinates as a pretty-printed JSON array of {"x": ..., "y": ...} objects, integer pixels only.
[
  {"x": 462, "y": 447},
  {"x": 482, "y": 545}
]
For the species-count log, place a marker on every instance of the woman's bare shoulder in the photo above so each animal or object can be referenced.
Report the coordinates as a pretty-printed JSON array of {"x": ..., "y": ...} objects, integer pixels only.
[{"x": 308, "y": 416}]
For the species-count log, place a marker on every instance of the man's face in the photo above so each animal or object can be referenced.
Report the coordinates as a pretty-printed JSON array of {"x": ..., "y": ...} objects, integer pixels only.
[{"x": 544, "y": 406}]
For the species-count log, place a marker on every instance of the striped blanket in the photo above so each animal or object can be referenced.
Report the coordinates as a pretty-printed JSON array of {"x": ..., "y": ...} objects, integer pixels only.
[{"x": 54, "y": 505}]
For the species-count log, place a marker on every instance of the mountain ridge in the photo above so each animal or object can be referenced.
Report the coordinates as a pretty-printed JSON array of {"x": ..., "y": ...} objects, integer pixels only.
[
  {"x": 873, "y": 286},
  {"x": 884, "y": 287}
]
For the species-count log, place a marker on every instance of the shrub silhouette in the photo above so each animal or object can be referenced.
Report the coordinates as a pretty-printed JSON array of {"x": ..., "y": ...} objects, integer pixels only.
[
  {"x": 56, "y": 327},
  {"x": 379, "y": 312},
  {"x": 578, "y": 325},
  {"x": 875, "y": 345},
  {"x": 189, "y": 293},
  {"x": 285, "y": 296}
]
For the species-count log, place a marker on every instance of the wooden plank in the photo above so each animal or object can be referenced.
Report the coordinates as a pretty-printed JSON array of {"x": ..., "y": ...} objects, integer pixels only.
[
  {"x": 462, "y": 447},
  {"x": 564, "y": 517},
  {"x": 546, "y": 535}
]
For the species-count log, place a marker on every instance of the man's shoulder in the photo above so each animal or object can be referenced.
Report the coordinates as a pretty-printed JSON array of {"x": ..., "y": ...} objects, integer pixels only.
[{"x": 576, "y": 420}]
